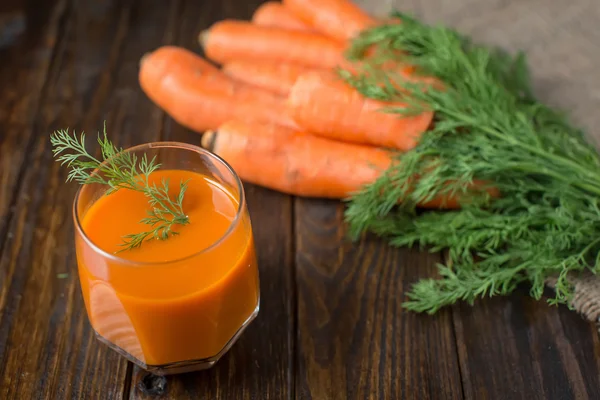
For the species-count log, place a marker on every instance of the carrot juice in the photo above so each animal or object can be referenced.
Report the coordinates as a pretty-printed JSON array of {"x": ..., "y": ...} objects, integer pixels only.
[{"x": 177, "y": 303}]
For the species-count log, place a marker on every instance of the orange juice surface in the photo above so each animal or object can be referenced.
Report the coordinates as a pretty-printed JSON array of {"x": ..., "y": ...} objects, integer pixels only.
[{"x": 173, "y": 300}]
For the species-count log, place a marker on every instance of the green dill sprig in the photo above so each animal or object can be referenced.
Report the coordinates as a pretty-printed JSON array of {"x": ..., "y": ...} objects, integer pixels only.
[
  {"x": 489, "y": 128},
  {"x": 119, "y": 169}
]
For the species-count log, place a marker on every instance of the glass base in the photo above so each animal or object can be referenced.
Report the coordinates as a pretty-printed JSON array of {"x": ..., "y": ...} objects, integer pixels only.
[{"x": 182, "y": 366}]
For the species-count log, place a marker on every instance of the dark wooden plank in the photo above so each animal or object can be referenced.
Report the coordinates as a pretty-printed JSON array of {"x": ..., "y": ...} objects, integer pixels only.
[
  {"x": 23, "y": 76},
  {"x": 260, "y": 365},
  {"x": 47, "y": 346},
  {"x": 354, "y": 339},
  {"x": 23, "y": 73},
  {"x": 12, "y": 22},
  {"x": 517, "y": 348}
]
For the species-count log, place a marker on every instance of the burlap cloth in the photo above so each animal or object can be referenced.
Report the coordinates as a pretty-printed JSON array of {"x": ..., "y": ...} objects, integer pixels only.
[{"x": 562, "y": 41}]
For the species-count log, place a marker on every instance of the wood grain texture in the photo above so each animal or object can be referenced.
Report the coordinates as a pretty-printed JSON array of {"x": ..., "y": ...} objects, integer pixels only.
[
  {"x": 23, "y": 73},
  {"x": 331, "y": 324},
  {"x": 260, "y": 365},
  {"x": 354, "y": 339},
  {"x": 43, "y": 312},
  {"x": 12, "y": 22},
  {"x": 517, "y": 348}
]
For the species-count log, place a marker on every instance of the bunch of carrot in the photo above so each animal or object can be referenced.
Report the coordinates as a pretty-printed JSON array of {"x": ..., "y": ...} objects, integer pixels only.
[{"x": 276, "y": 110}]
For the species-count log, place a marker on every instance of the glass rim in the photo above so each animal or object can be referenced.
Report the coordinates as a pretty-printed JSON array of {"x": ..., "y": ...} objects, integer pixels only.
[{"x": 174, "y": 145}]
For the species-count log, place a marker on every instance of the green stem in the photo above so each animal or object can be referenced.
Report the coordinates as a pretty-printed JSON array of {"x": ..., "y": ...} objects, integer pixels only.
[
  {"x": 539, "y": 152},
  {"x": 535, "y": 169}
]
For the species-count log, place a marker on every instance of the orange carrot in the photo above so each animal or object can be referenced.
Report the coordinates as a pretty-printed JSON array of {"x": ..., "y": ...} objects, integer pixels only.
[
  {"x": 276, "y": 77},
  {"x": 338, "y": 19},
  {"x": 323, "y": 104},
  {"x": 294, "y": 162},
  {"x": 301, "y": 164},
  {"x": 232, "y": 40},
  {"x": 172, "y": 57},
  {"x": 203, "y": 98},
  {"x": 176, "y": 60},
  {"x": 276, "y": 15}
]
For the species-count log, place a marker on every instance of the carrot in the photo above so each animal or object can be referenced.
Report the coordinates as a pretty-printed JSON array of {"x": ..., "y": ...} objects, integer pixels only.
[
  {"x": 301, "y": 164},
  {"x": 338, "y": 19},
  {"x": 276, "y": 15},
  {"x": 294, "y": 162},
  {"x": 276, "y": 77},
  {"x": 324, "y": 105},
  {"x": 173, "y": 56},
  {"x": 203, "y": 98},
  {"x": 232, "y": 40}
]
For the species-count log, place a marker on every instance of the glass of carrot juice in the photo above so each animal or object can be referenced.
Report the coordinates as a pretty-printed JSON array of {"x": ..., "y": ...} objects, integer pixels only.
[{"x": 174, "y": 305}]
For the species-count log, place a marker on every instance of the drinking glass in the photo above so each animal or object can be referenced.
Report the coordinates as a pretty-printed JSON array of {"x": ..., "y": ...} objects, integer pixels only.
[{"x": 160, "y": 315}]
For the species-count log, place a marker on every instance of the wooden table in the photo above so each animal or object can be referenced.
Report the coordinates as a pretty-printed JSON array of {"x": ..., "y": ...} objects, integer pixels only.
[{"x": 331, "y": 324}]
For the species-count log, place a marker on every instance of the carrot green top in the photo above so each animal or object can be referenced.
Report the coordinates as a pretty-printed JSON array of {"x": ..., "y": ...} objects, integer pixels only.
[{"x": 488, "y": 125}]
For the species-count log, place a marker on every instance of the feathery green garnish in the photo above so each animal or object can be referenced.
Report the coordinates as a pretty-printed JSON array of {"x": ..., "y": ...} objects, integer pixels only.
[
  {"x": 489, "y": 127},
  {"x": 119, "y": 169}
]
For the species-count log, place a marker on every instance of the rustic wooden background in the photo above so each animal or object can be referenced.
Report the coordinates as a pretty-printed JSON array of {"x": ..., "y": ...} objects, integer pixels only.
[{"x": 331, "y": 324}]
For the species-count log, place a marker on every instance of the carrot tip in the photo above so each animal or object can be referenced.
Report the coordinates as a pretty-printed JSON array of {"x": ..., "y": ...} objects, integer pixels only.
[
  {"x": 203, "y": 38},
  {"x": 208, "y": 140},
  {"x": 144, "y": 58}
]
